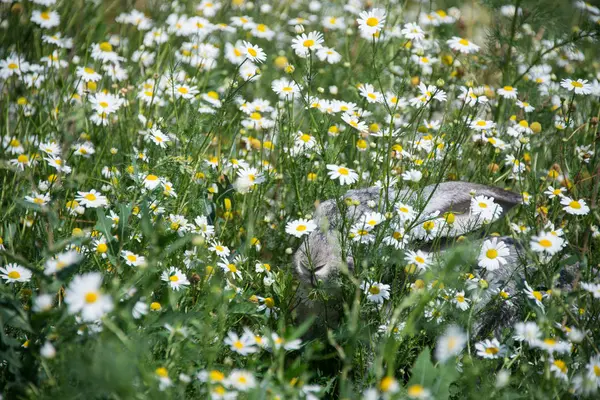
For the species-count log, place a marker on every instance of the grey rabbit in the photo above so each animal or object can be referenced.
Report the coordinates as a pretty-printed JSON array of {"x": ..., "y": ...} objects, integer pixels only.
[{"x": 318, "y": 262}]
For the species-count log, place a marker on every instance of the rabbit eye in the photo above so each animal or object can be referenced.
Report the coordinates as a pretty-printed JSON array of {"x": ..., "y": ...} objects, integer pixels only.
[
  {"x": 318, "y": 267},
  {"x": 315, "y": 267}
]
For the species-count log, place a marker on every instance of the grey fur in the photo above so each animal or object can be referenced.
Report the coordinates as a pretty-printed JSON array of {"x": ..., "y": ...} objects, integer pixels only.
[{"x": 318, "y": 261}]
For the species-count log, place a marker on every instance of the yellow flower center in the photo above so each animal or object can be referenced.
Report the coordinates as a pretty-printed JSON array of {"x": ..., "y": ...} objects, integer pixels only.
[
  {"x": 255, "y": 116},
  {"x": 464, "y": 42},
  {"x": 491, "y": 253},
  {"x": 575, "y": 204},
  {"x": 90, "y": 197},
  {"x": 106, "y": 47},
  {"x": 151, "y": 177},
  {"x": 23, "y": 159},
  {"x": 269, "y": 302},
  {"x": 89, "y": 70},
  {"x": 45, "y": 15},
  {"x": 372, "y": 21},
  {"x": 238, "y": 344},
  {"x": 252, "y": 52},
  {"x": 14, "y": 275},
  {"x": 173, "y": 278},
  {"x": 374, "y": 290},
  {"x": 103, "y": 104},
  {"x": 538, "y": 295},
  {"x": 560, "y": 364},
  {"x": 343, "y": 171},
  {"x": 162, "y": 372},
  {"x": 420, "y": 259},
  {"x": 301, "y": 228},
  {"x": 308, "y": 43},
  {"x": 13, "y": 66},
  {"x": 183, "y": 90},
  {"x": 483, "y": 205},
  {"x": 577, "y": 84},
  {"x": 232, "y": 268},
  {"x": 102, "y": 248},
  {"x": 216, "y": 376},
  {"x": 492, "y": 350},
  {"x": 386, "y": 383},
  {"x": 132, "y": 257},
  {"x": 428, "y": 225},
  {"x": 545, "y": 243},
  {"x": 91, "y": 297},
  {"x": 415, "y": 390}
]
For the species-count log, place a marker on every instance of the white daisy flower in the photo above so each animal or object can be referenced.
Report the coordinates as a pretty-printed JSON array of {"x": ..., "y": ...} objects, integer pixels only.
[
  {"x": 242, "y": 345},
  {"x": 368, "y": 92},
  {"x": 300, "y": 227},
  {"x": 175, "y": 278},
  {"x": 371, "y": 22},
  {"x": 304, "y": 43},
  {"x": 241, "y": 380},
  {"x": 460, "y": 300},
  {"x": 485, "y": 208},
  {"x": 492, "y": 255},
  {"x": 253, "y": 52},
  {"x": 546, "y": 243},
  {"x": 551, "y": 192},
  {"x": 376, "y": 292},
  {"x": 84, "y": 296},
  {"x": 593, "y": 288},
  {"x": 45, "y": 19},
  {"x": 346, "y": 175},
  {"x": 535, "y": 295},
  {"x": 221, "y": 250},
  {"x": 574, "y": 207},
  {"x": 527, "y": 332},
  {"x": 88, "y": 74},
  {"x": 419, "y": 258},
  {"x": 490, "y": 349},
  {"x": 413, "y": 31},
  {"x": 133, "y": 259},
  {"x": 508, "y": 92},
  {"x": 15, "y": 273},
  {"x": 91, "y": 199},
  {"x": 580, "y": 86},
  {"x": 450, "y": 344},
  {"x": 462, "y": 45}
]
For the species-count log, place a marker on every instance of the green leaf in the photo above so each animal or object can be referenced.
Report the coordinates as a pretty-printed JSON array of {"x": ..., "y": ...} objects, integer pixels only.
[
  {"x": 435, "y": 379},
  {"x": 104, "y": 224}
]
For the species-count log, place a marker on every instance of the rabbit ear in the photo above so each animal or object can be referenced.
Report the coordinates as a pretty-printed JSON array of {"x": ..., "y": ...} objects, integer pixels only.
[{"x": 458, "y": 198}]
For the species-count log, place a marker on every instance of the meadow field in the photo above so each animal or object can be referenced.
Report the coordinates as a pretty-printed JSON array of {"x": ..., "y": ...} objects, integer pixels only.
[{"x": 361, "y": 199}]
